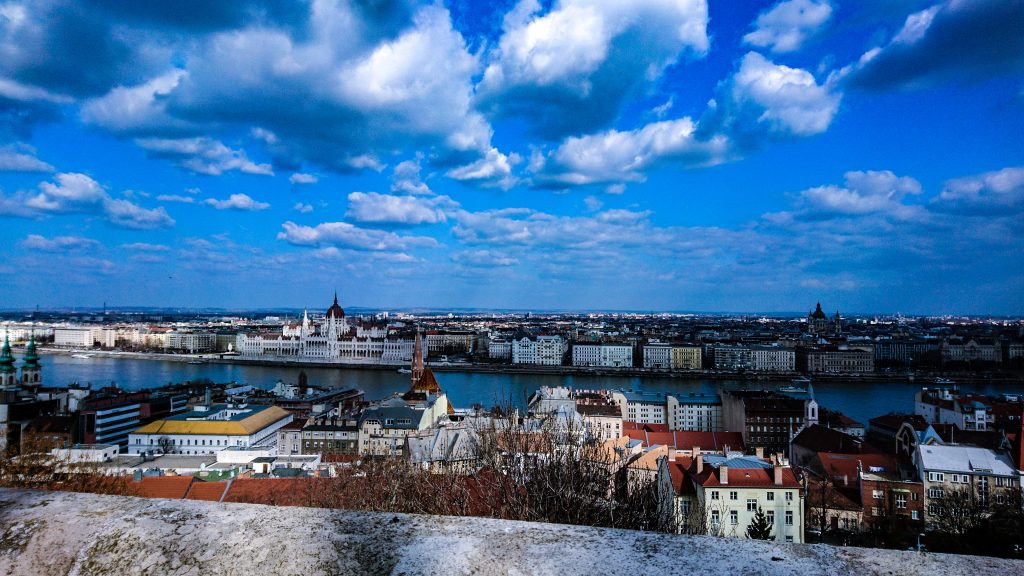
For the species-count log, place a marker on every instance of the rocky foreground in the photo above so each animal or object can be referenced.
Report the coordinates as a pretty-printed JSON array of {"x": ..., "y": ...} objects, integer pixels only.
[{"x": 68, "y": 533}]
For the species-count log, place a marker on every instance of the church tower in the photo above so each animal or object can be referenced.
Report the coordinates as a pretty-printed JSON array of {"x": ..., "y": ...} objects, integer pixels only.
[
  {"x": 417, "y": 360},
  {"x": 31, "y": 371},
  {"x": 8, "y": 373}
]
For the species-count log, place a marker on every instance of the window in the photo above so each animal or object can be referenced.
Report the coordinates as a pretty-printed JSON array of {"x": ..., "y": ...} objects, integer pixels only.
[
  {"x": 789, "y": 496},
  {"x": 789, "y": 517},
  {"x": 914, "y": 515},
  {"x": 876, "y": 511},
  {"x": 901, "y": 500},
  {"x": 714, "y": 494},
  {"x": 751, "y": 505},
  {"x": 714, "y": 519},
  {"x": 935, "y": 493},
  {"x": 914, "y": 496},
  {"x": 876, "y": 494},
  {"x": 734, "y": 495},
  {"x": 771, "y": 496},
  {"x": 734, "y": 517},
  {"x": 771, "y": 516},
  {"x": 936, "y": 477},
  {"x": 789, "y": 538}
]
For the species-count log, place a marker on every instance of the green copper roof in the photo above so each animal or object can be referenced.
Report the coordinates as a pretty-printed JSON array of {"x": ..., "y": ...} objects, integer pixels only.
[
  {"x": 31, "y": 356},
  {"x": 6, "y": 359}
]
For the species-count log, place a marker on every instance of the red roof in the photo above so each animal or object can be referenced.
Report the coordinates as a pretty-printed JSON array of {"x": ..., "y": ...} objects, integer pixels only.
[
  {"x": 209, "y": 491},
  {"x": 627, "y": 425},
  {"x": 839, "y": 465},
  {"x": 275, "y": 491},
  {"x": 685, "y": 440},
  {"x": 163, "y": 486}
]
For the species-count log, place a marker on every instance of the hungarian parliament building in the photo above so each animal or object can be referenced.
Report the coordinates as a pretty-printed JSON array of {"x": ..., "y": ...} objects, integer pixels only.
[{"x": 333, "y": 340}]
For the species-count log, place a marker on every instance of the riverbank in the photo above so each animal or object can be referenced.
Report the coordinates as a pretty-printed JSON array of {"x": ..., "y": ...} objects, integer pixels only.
[{"x": 924, "y": 378}]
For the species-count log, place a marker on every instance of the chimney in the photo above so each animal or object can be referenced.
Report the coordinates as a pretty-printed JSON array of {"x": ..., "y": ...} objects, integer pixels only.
[
  {"x": 723, "y": 474},
  {"x": 696, "y": 451},
  {"x": 700, "y": 461},
  {"x": 759, "y": 452},
  {"x": 725, "y": 449},
  {"x": 778, "y": 475}
]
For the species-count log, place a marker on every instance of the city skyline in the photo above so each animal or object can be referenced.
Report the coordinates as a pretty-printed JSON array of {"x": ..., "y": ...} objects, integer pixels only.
[{"x": 644, "y": 156}]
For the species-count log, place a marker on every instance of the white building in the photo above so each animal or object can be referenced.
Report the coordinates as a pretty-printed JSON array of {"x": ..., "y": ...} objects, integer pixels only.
[
  {"x": 604, "y": 355},
  {"x": 657, "y": 355},
  {"x": 22, "y": 332},
  {"x": 545, "y": 349},
  {"x": 84, "y": 337},
  {"x": 772, "y": 359},
  {"x": 990, "y": 475},
  {"x": 694, "y": 412},
  {"x": 192, "y": 341},
  {"x": 642, "y": 407},
  {"x": 209, "y": 429},
  {"x": 501, "y": 349},
  {"x": 334, "y": 340}
]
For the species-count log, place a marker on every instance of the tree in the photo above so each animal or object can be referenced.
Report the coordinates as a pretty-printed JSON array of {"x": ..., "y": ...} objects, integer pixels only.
[
  {"x": 959, "y": 512},
  {"x": 166, "y": 445},
  {"x": 760, "y": 528}
]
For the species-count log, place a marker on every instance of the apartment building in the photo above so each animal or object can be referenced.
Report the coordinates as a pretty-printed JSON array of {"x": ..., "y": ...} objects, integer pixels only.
[
  {"x": 604, "y": 355},
  {"x": 544, "y": 349}
]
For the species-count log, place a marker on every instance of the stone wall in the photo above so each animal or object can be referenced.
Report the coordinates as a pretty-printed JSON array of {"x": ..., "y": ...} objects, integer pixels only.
[{"x": 67, "y": 533}]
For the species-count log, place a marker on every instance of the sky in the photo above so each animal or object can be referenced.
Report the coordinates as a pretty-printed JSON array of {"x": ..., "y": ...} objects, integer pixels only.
[{"x": 649, "y": 155}]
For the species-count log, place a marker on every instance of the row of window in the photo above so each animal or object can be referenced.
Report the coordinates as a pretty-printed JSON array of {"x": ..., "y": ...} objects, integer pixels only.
[
  {"x": 734, "y": 495},
  {"x": 734, "y": 517}
]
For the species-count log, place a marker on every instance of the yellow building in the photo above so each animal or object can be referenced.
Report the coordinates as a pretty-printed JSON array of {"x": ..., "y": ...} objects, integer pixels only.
[
  {"x": 686, "y": 358},
  {"x": 208, "y": 429}
]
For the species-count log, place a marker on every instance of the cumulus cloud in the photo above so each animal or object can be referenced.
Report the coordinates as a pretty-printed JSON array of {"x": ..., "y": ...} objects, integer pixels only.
[
  {"x": 952, "y": 40},
  {"x": 764, "y": 99},
  {"x": 175, "y": 198},
  {"x": 146, "y": 247},
  {"x": 871, "y": 192},
  {"x": 405, "y": 178},
  {"x": 79, "y": 193},
  {"x": 58, "y": 244},
  {"x": 15, "y": 159},
  {"x": 787, "y": 25},
  {"x": 569, "y": 70},
  {"x": 484, "y": 258},
  {"x": 203, "y": 155},
  {"x": 999, "y": 192},
  {"x": 242, "y": 202},
  {"x": 343, "y": 234},
  {"x": 303, "y": 208},
  {"x": 303, "y": 178},
  {"x": 494, "y": 170},
  {"x": 371, "y": 207},
  {"x": 615, "y": 156}
]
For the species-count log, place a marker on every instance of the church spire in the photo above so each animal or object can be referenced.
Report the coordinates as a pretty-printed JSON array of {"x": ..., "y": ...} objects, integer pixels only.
[
  {"x": 6, "y": 358},
  {"x": 417, "y": 360},
  {"x": 31, "y": 356}
]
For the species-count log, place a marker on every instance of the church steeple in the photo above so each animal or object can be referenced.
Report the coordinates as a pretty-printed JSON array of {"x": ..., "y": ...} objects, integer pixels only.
[
  {"x": 417, "y": 360},
  {"x": 8, "y": 373},
  {"x": 30, "y": 369}
]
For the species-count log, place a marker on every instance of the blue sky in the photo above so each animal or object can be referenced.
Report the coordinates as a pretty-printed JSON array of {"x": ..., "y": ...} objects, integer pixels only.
[{"x": 642, "y": 154}]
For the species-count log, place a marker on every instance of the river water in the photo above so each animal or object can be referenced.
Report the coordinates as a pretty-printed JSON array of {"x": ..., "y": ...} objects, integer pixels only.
[{"x": 859, "y": 401}]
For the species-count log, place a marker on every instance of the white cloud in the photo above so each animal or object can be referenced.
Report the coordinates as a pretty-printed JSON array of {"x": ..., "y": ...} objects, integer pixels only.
[
  {"x": 570, "y": 69},
  {"x": 203, "y": 155},
  {"x": 302, "y": 178},
  {"x": 998, "y": 192},
  {"x": 78, "y": 193},
  {"x": 493, "y": 170},
  {"x": 13, "y": 159},
  {"x": 175, "y": 198},
  {"x": 872, "y": 192},
  {"x": 405, "y": 179},
  {"x": 616, "y": 156},
  {"x": 137, "y": 110},
  {"x": 237, "y": 202},
  {"x": 302, "y": 208},
  {"x": 386, "y": 208},
  {"x": 779, "y": 99},
  {"x": 788, "y": 24},
  {"x": 484, "y": 258},
  {"x": 58, "y": 244},
  {"x": 346, "y": 235},
  {"x": 146, "y": 247}
]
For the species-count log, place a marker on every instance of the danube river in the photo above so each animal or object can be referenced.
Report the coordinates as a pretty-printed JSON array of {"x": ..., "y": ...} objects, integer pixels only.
[{"x": 861, "y": 401}]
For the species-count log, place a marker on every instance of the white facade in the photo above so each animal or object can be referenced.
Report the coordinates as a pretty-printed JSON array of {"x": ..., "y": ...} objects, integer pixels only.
[
  {"x": 658, "y": 356},
  {"x": 207, "y": 432},
  {"x": 604, "y": 355},
  {"x": 84, "y": 337},
  {"x": 192, "y": 341},
  {"x": 545, "y": 349},
  {"x": 698, "y": 413},
  {"x": 772, "y": 359},
  {"x": 332, "y": 340},
  {"x": 499, "y": 349},
  {"x": 642, "y": 408}
]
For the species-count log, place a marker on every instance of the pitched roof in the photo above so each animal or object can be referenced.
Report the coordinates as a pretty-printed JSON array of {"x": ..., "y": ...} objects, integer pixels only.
[
  {"x": 685, "y": 439},
  {"x": 275, "y": 491},
  {"x": 817, "y": 438},
  {"x": 209, "y": 491},
  {"x": 163, "y": 486}
]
